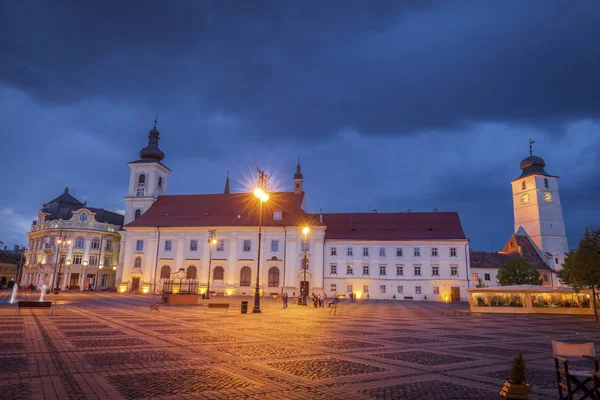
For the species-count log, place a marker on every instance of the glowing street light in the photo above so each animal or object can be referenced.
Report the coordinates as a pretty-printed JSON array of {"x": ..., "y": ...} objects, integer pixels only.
[
  {"x": 212, "y": 240},
  {"x": 261, "y": 194},
  {"x": 304, "y": 288}
]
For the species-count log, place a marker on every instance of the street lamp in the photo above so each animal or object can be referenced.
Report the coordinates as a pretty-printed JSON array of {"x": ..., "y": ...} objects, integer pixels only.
[
  {"x": 212, "y": 233},
  {"x": 61, "y": 244},
  {"x": 305, "y": 231},
  {"x": 261, "y": 194}
]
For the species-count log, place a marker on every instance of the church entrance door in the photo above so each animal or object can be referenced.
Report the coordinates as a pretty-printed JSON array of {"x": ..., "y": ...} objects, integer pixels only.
[
  {"x": 455, "y": 293},
  {"x": 135, "y": 284}
]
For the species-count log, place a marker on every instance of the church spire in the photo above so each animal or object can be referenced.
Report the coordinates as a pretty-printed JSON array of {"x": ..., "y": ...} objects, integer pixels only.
[
  {"x": 227, "y": 191},
  {"x": 531, "y": 142},
  {"x": 298, "y": 180},
  {"x": 151, "y": 152}
]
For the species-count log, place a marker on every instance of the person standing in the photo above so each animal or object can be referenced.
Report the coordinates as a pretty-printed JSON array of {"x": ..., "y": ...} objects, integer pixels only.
[
  {"x": 284, "y": 298},
  {"x": 334, "y": 303},
  {"x": 322, "y": 300}
]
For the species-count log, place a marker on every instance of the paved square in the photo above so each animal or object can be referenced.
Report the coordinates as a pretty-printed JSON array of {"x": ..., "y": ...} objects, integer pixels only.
[{"x": 102, "y": 345}]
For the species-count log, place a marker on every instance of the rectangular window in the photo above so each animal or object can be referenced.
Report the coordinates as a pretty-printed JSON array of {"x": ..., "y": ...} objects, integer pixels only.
[
  {"x": 382, "y": 288},
  {"x": 80, "y": 243},
  {"x": 193, "y": 245},
  {"x": 399, "y": 270},
  {"x": 94, "y": 260},
  {"x": 452, "y": 251},
  {"x": 475, "y": 276},
  {"x": 107, "y": 261},
  {"x": 556, "y": 260},
  {"x": 95, "y": 244},
  {"x": 486, "y": 277},
  {"x": 418, "y": 271},
  {"x": 454, "y": 271},
  {"x": 398, "y": 252},
  {"x": 349, "y": 288},
  {"x": 349, "y": 251},
  {"x": 381, "y": 252},
  {"x": 382, "y": 270},
  {"x": 62, "y": 259},
  {"x": 334, "y": 287},
  {"x": 417, "y": 252},
  {"x": 365, "y": 252},
  {"x": 435, "y": 270},
  {"x": 349, "y": 269},
  {"x": 436, "y": 290},
  {"x": 274, "y": 245},
  {"x": 77, "y": 259},
  {"x": 545, "y": 277},
  {"x": 365, "y": 270},
  {"x": 418, "y": 289},
  {"x": 400, "y": 289},
  {"x": 277, "y": 215},
  {"x": 221, "y": 245},
  {"x": 366, "y": 288},
  {"x": 334, "y": 251},
  {"x": 167, "y": 245},
  {"x": 434, "y": 252},
  {"x": 247, "y": 245},
  {"x": 139, "y": 246},
  {"x": 305, "y": 246},
  {"x": 108, "y": 245},
  {"x": 333, "y": 269},
  {"x": 104, "y": 281}
]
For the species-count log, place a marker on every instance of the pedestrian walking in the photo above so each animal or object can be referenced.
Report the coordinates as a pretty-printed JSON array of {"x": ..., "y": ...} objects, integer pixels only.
[
  {"x": 284, "y": 298},
  {"x": 322, "y": 300},
  {"x": 334, "y": 303}
]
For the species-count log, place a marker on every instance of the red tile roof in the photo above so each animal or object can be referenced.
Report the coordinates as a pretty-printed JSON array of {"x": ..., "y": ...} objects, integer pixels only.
[
  {"x": 236, "y": 209},
  {"x": 517, "y": 245},
  {"x": 394, "y": 226}
]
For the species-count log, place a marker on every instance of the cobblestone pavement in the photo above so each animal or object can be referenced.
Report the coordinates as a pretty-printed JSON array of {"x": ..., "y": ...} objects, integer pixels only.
[{"x": 111, "y": 346}]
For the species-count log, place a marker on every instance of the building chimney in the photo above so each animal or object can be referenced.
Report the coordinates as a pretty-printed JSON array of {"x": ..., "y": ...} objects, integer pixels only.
[{"x": 321, "y": 216}]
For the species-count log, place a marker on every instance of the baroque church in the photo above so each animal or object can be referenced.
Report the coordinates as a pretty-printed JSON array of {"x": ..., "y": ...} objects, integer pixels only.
[{"x": 403, "y": 256}]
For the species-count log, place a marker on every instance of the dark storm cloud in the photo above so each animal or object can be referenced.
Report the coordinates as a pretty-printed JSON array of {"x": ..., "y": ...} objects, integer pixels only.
[{"x": 310, "y": 69}]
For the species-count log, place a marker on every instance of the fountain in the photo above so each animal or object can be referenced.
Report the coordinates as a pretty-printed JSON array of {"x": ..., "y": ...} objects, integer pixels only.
[
  {"x": 43, "y": 292},
  {"x": 14, "y": 294}
]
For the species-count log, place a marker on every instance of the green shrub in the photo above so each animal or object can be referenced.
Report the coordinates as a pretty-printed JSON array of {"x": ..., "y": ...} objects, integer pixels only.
[{"x": 517, "y": 369}]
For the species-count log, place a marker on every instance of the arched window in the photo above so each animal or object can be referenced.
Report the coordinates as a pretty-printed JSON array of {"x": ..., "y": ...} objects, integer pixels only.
[
  {"x": 138, "y": 212},
  {"x": 546, "y": 183},
  {"x": 273, "y": 277},
  {"x": 142, "y": 180},
  {"x": 245, "y": 276},
  {"x": 523, "y": 185},
  {"x": 297, "y": 186},
  {"x": 138, "y": 262},
  {"x": 191, "y": 272},
  {"x": 218, "y": 274},
  {"x": 165, "y": 272},
  {"x": 160, "y": 181}
]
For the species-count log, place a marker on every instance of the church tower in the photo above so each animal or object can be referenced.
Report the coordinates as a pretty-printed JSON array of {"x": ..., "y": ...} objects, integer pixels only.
[
  {"x": 298, "y": 180},
  {"x": 147, "y": 179},
  {"x": 538, "y": 212}
]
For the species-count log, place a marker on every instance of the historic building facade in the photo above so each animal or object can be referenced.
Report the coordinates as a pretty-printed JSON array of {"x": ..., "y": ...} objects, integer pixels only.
[
  {"x": 539, "y": 228},
  {"x": 73, "y": 246},
  {"x": 382, "y": 256}
]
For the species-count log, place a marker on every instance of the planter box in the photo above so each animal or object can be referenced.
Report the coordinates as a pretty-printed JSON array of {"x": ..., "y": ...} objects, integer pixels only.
[
  {"x": 180, "y": 298},
  {"x": 515, "y": 391}
]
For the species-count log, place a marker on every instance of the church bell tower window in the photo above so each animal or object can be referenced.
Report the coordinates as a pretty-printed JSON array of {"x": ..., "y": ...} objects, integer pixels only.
[{"x": 142, "y": 180}]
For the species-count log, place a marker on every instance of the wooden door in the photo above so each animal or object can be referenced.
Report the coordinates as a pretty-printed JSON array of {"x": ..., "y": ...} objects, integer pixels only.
[
  {"x": 135, "y": 284},
  {"x": 455, "y": 293}
]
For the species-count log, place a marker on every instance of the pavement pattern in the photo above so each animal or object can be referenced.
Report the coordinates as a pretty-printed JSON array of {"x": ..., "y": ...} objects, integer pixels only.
[{"x": 112, "y": 346}]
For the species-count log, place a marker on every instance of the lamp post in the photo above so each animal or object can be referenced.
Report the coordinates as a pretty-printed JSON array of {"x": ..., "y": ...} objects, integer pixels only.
[
  {"x": 260, "y": 193},
  {"x": 61, "y": 244},
  {"x": 212, "y": 233},
  {"x": 305, "y": 231}
]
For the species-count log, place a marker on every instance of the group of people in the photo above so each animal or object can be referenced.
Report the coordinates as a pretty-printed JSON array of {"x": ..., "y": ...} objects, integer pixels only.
[{"x": 319, "y": 300}]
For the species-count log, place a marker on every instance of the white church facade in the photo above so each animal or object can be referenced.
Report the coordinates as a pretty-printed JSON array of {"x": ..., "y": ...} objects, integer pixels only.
[{"x": 376, "y": 255}]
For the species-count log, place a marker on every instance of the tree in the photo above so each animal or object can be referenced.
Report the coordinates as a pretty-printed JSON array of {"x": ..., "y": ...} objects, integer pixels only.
[
  {"x": 480, "y": 283},
  {"x": 582, "y": 266},
  {"x": 518, "y": 271}
]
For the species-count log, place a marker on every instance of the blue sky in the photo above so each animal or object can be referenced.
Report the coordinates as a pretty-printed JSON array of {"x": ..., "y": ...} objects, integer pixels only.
[{"x": 390, "y": 106}]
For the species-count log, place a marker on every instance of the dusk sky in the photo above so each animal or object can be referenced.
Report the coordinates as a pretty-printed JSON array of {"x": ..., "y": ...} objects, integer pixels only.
[{"x": 390, "y": 105}]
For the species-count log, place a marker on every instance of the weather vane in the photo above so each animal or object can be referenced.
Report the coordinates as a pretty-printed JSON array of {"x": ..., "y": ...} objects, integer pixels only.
[{"x": 531, "y": 142}]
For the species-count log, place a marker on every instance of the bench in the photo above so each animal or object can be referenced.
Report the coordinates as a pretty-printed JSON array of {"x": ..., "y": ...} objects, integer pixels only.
[
  {"x": 34, "y": 304},
  {"x": 408, "y": 297},
  {"x": 216, "y": 305}
]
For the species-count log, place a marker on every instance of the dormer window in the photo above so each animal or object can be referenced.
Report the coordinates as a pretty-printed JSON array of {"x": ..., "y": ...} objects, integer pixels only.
[
  {"x": 83, "y": 218},
  {"x": 278, "y": 215},
  {"x": 142, "y": 180}
]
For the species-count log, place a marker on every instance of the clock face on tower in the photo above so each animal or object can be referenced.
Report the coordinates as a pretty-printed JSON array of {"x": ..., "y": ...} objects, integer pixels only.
[
  {"x": 525, "y": 198},
  {"x": 140, "y": 192},
  {"x": 547, "y": 197}
]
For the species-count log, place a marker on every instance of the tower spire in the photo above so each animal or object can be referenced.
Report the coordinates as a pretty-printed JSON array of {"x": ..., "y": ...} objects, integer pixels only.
[
  {"x": 227, "y": 191},
  {"x": 531, "y": 142}
]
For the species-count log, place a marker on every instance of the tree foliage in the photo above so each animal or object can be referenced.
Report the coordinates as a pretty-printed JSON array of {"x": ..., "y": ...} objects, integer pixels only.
[
  {"x": 582, "y": 266},
  {"x": 518, "y": 271}
]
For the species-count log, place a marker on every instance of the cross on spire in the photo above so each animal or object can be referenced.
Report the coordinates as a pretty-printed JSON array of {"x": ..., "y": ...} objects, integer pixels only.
[
  {"x": 155, "y": 120},
  {"x": 531, "y": 142}
]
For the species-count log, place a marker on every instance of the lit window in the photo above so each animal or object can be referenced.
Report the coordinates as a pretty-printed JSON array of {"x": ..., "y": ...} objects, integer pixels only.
[
  {"x": 475, "y": 276},
  {"x": 452, "y": 251},
  {"x": 247, "y": 245},
  {"x": 417, "y": 252},
  {"x": 349, "y": 269},
  {"x": 167, "y": 245},
  {"x": 193, "y": 245},
  {"x": 435, "y": 270},
  {"x": 349, "y": 251},
  {"x": 454, "y": 271},
  {"x": 418, "y": 289},
  {"x": 382, "y": 288},
  {"x": 436, "y": 290},
  {"x": 399, "y": 270},
  {"x": 334, "y": 251},
  {"x": 434, "y": 251},
  {"x": 381, "y": 252},
  {"x": 398, "y": 252},
  {"x": 277, "y": 215},
  {"x": 382, "y": 270},
  {"x": 365, "y": 270},
  {"x": 418, "y": 271},
  {"x": 274, "y": 245},
  {"x": 333, "y": 269}
]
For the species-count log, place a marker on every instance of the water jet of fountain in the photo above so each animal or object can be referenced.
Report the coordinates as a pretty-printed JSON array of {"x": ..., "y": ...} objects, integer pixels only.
[
  {"x": 43, "y": 292},
  {"x": 14, "y": 294}
]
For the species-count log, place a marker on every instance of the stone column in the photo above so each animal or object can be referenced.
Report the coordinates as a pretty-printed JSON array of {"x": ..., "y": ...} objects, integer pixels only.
[
  {"x": 291, "y": 263},
  {"x": 204, "y": 259},
  {"x": 150, "y": 262},
  {"x": 317, "y": 261},
  {"x": 180, "y": 257}
]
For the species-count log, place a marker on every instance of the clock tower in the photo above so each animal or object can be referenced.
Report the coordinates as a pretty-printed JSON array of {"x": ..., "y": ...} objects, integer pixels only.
[
  {"x": 538, "y": 212},
  {"x": 147, "y": 179}
]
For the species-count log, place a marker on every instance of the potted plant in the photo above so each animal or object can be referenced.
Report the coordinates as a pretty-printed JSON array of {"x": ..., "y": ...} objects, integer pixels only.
[{"x": 516, "y": 388}]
